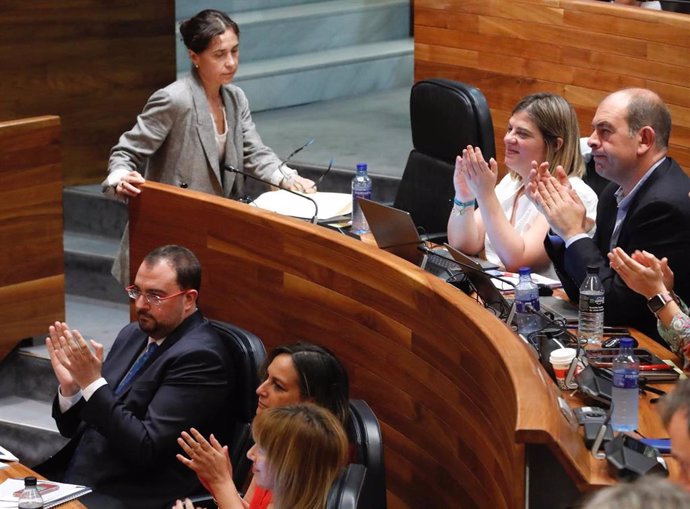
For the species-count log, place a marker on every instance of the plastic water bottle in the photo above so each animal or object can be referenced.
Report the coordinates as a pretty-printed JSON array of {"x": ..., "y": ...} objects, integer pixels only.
[
  {"x": 361, "y": 188},
  {"x": 30, "y": 497},
  {"x": 590, "y": 327},
  {"x": 526, "y": 297},
  {"x": 625, "y": 394}
]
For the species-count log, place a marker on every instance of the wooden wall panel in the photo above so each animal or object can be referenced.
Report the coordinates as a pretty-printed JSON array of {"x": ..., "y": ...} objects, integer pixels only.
[
  {"x": 91, "y": 62},
  {"x": 580, "y": 49},
  {"x": 457, "y": 394},
  {"x": 32, "y": 287}
]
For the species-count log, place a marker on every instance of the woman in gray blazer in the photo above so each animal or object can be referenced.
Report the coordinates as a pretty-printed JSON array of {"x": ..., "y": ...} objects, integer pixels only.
[{"x": 190, "y": 129}]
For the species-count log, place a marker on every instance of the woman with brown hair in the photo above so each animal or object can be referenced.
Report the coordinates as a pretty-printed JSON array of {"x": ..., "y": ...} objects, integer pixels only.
[
  {"x": 299, "y": 451},
  {"x": 542, "y": 129}
]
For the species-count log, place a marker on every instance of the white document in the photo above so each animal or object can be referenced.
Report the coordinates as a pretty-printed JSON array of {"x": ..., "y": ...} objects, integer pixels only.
[
  {"x": 55, "y": 494},
  {"x": 330, "y": 204},
  {"x": 515, "y": 278}
]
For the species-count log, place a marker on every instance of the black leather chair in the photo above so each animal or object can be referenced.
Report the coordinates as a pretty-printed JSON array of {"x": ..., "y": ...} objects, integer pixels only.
[
  {"x": 247, "y": 352},
  {"x": 445, "y": 117},
  {"x": 346, "y": 489},
  {"x": 365, "y": 433}
]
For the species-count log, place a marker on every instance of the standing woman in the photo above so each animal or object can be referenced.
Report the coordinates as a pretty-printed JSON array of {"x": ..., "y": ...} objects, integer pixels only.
[
  {"x": 543, "y": 128},
  {"x": 190, "y": 129}
]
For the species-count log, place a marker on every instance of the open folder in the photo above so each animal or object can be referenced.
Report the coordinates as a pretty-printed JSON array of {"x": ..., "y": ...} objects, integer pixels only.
[
  {"x": 53, "y": 493},
  {"x": 331, "y": 205}
]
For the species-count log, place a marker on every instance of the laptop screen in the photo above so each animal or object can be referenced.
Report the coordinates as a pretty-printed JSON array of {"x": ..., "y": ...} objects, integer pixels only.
[
  {"x": 481, "y": 281},
  {"x": 393, "y": 230}
]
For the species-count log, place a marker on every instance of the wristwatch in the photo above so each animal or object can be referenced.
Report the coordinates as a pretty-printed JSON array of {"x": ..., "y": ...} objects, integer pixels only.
[{"x": 656, "y": 303}]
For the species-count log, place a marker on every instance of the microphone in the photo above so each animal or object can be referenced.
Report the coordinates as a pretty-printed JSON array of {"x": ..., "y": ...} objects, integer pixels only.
[
  {"x": 296, "y": 151},
  {"x": 599, "y": 437},
  {"x": 232, "y": 169}
]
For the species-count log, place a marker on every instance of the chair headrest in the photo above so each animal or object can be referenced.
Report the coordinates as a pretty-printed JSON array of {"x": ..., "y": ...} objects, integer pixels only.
[{"x": 446, "y": 116}]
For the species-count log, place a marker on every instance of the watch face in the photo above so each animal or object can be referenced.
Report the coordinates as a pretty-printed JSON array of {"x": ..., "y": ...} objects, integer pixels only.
[{"x": 657, "y": 302}]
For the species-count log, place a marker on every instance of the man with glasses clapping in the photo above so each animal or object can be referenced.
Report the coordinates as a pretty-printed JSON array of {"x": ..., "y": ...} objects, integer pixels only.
[{"x": 165, "y": 373}]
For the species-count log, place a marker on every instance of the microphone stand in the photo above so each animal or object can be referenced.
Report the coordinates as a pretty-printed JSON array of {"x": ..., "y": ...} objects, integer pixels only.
[{"x": 232, "y": 169}]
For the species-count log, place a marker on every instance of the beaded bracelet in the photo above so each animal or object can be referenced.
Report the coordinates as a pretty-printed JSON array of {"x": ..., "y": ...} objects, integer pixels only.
[{"x": 459, "y": 207}]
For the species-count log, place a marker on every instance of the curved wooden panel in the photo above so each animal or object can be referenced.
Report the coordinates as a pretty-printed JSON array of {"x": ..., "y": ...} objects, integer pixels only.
[
  {"x": 579, "y": 49},
  {"x": 32, "y": 282},
  {"x": 456, "y": 392}
]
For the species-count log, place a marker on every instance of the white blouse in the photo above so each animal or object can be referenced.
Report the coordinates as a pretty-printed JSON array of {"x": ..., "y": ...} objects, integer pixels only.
[{"x": 526, "y": 213}]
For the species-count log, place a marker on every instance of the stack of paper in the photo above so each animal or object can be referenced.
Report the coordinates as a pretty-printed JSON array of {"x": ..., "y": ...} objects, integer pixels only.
[
  {"x": 53, "y": 493},
  {"x": 330, "y": 205},
  {"x": 515, "y": 278}
]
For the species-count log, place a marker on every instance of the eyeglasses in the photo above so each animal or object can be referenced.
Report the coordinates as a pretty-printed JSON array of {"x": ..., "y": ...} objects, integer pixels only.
[
  {"x": 154, "y": 300},
  {"x": 330, "y": 165}
]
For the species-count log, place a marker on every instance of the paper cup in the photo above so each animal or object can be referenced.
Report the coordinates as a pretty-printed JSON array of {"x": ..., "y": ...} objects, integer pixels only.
[{"x": 560, "y": 360}]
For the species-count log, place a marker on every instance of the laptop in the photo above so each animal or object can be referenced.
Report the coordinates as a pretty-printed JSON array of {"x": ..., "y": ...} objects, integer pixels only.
[
  {"x": 493, "y": 298},
  {"x": 395, "y": 232}
]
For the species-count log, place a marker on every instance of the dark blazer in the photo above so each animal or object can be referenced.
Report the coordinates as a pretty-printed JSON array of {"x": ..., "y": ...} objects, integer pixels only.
[
  {"x": 657, "y": 221},
  {"x": 125, "y": 446}
]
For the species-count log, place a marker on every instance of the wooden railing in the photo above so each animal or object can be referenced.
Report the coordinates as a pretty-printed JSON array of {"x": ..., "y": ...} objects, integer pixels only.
[
  {"x": 32, "y": 288},
  {"x": 580, "y": 49},
  {"x": 457, "y": 393}
]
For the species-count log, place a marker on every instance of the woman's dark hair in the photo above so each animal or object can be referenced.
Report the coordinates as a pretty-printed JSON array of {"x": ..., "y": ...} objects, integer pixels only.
[
  {"x": 322, "y": 378},
  {"x": 197, "y": 32}
]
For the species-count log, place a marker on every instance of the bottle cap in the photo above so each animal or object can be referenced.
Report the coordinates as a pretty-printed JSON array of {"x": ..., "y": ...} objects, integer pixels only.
[
  {"x": 592, "y": 269},
  {"x": 627, "y": 342},
  {"x": 361, "y": 166},
  {"x": 524, "y": 271},
  {"x": 30, "y": 481}
]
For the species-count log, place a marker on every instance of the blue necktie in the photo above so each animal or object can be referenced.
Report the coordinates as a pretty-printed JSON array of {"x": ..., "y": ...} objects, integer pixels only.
[{"x": 134, "y": 370}]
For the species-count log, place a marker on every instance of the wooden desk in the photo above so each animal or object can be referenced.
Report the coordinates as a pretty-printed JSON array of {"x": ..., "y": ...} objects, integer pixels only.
[
  {"x": 650, "y": 424},
  {"x": 461, "y": 401},
  {"x": 19, "y": 471}
]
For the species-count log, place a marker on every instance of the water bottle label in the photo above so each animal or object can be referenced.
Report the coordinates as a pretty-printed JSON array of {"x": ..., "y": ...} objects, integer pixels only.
[
  {"x": 625, "y": 379},
  {"x": 366, "y": 194},
  {"x": 592, "y": 303},
  {"x": 521, "y": 305}
]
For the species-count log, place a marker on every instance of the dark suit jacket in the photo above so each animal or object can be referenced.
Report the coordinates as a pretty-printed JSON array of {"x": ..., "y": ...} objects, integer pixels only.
[
  {"x": 657, "y": 221},
  {"x": 125, "y": 446}
]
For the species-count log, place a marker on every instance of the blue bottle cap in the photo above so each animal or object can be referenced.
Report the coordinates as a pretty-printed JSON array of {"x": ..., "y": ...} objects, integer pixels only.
[
  {"x": 627, "y": 343},
  {"x": 524, "y": 271}
]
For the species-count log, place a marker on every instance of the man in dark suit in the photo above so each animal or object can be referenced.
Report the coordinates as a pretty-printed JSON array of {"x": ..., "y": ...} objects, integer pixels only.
[
  {"x": 124, "y": 415},
  {"x": 644, "y": 208}
]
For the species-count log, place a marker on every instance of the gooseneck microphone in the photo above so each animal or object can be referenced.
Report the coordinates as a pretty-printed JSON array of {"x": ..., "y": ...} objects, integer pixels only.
[
  {"x": 232, "y": 169},
  {"x": 292, "y": 154}
]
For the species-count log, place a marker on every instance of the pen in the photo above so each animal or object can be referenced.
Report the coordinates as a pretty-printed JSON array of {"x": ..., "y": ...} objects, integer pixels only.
[{"x": 655, "y": 367}]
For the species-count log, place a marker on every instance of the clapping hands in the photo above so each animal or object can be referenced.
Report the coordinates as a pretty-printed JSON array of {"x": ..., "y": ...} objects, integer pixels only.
[{"x": 474, "y": 176}]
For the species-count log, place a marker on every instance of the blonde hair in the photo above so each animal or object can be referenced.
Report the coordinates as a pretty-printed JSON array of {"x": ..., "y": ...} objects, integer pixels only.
[
  {"x": 555, "y": 118},
  {"x": 305, "y": 447}
]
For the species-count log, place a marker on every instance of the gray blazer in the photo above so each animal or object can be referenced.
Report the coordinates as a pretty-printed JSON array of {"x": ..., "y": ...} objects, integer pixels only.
[{"x": 173, "y": 141}]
